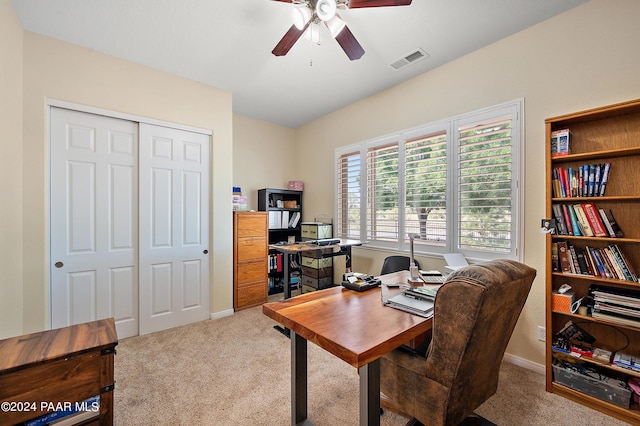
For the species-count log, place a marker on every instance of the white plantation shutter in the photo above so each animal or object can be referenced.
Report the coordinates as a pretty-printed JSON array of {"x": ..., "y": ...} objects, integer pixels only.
[
  {"x": 382, "y": 193},
  {"x": 426, "y": 188},
  {"x": 453, "y": 182},
  {"x": 348, "y": 196},
  {"x": 484, "y": 190}
]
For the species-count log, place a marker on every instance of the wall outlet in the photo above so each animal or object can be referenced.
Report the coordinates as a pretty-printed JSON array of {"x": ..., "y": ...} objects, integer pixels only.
[{"x": 541, "y": 333}]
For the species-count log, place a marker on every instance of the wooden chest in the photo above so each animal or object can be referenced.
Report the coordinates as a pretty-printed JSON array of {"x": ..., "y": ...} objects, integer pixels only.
[{"x": 46, "y": 370}]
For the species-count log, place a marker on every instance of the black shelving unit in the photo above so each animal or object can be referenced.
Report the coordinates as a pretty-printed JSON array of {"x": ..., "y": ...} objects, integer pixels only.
[{"x": 283, "y": 205}]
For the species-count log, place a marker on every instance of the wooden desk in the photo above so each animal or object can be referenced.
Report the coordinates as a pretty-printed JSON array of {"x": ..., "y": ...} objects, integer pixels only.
[
  {"x": 354, "y": 326},
  {"x": 289, "y": 249},
  {"x": 66, "y": 365}
]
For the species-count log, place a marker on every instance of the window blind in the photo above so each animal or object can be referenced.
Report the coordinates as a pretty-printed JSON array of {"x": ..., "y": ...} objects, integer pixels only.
[
  {"x": 485, "y": 185},
  {"x": 426, "y": 186},
  {"x": 382, "y": 193},
  {"x": 348, "y": 200}
]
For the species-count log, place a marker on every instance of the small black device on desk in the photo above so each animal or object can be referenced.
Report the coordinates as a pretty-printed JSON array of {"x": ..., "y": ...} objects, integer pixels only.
[{"x": 359, "y": 282}]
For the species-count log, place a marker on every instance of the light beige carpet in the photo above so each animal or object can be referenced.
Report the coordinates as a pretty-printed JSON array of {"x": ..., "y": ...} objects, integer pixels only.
[{"x": 235, "y": 371}]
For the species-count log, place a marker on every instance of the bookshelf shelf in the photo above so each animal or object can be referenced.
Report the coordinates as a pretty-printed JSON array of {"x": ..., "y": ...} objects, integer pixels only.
[
  {"x": 609, "y": 134},
  {"x": 592, "y": 278},
  {"x": 586, "y": 156},
  {"x": 621, "y": 198}
]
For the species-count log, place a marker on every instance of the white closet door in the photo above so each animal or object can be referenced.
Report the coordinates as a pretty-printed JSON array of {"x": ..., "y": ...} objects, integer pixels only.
[
  {"x": 174, "y": 210},
  {"x": 94, "y": 220}
]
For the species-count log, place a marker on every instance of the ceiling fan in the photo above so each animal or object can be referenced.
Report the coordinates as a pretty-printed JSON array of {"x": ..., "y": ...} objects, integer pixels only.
[{"x": 310, "y": 13}]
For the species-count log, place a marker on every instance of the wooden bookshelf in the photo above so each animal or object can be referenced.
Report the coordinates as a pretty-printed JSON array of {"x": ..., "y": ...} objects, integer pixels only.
[{"x": 606, "y": 134}]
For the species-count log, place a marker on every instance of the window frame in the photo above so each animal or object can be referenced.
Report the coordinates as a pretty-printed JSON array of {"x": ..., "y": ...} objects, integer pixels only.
[{"x": 451, "y": 128}]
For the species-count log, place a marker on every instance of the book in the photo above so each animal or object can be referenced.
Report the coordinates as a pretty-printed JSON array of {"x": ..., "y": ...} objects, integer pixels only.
[
  {"x": 583, "y": 222},
  {"x": 626, "y": 265},
  {"x": 574, "y": 221},
  {"x": 594, "y": 220},
  {"x": 555, "y": 183},
  {"x": 598, "y": 262},
  {"x": 294, "y": 220},
  {"x": 567, "y": 219},
  {"x": 617, "y": 318},
  {"x": 575, "y": 267},
  {"x": 563, "y": 255},
  {"x": 585, "y": 180},
  {"x": 610, "y": 223},
  {"x": 592, "y": 180},
  {"x": 605, "y": 178},
  {"x": 563, "y": 141},
  {"x": 613, "y": 263},
  {"x": 583, "y": 261},
  {"x": 596, "y": 185},
  {"x": 557, "y": 213},
  {"x": 555, "y": 260}
]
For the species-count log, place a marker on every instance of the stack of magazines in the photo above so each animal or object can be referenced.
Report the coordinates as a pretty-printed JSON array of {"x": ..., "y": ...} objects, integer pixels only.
[{"x": 616, "y": 305}]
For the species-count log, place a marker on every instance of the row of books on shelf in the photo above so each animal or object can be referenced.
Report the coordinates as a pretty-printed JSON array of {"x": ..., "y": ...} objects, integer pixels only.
[
  {"x": 276, "y": 283},
  {"x": 606, "y": 262},
  {"x": 585, "y": 219},
  {"x": 283, "y": 220},
  {"x": 587, "y": 180},
  {"x": 275, "y": 262},
  {"x": 621, "y": 306}
]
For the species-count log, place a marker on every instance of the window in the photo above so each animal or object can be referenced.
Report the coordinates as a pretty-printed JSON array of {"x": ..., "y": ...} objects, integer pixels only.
[{"x": 454, "y": 184}]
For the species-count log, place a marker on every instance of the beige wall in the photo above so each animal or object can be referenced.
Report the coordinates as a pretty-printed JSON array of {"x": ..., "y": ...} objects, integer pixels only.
[
  {"x": 582, "y": 59},
  {"x": 263, "y": 156},
  {"x": 61, "y": 71},
  {"x": 10, "y": 172}
]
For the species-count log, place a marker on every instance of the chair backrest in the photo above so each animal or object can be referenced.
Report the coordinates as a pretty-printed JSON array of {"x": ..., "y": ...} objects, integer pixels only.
[
  {"x": 396, "y": 263},
  {"x": 475, "y": 313}
]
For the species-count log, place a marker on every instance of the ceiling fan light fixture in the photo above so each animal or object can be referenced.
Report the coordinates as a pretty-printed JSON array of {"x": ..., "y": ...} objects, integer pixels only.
[
  {"x": 335, "y": 26},
  {"x": 313, "y": 33},
  {"x": 301, "y": 15},
  {"x": 326, "y": 9}
]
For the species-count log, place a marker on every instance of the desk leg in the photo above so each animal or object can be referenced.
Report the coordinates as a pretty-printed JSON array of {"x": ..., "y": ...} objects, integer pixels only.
[
  {"x": 287, "y": 279},
  {"x": 370, "y": 393},
  {"x": 286, "y": 289},
  {"x": 298, "y": 380}
]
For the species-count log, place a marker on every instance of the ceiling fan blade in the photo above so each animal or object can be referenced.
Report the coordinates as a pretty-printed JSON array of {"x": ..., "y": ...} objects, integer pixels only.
[
  {"x": 354, "y": 4},
  {"x": 285, "y": 1},
  {"x": 349, "y": 44},
  {"x": 289, "y": 39}
]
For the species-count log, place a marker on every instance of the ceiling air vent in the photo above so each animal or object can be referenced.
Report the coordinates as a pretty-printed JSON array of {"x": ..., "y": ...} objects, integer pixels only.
[{"x": 409, "y": 59}]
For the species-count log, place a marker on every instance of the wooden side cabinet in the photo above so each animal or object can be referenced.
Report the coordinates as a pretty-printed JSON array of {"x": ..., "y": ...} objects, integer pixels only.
[
  {"x": 42, "y": 372},
  {"x": 250, "y": 241}
]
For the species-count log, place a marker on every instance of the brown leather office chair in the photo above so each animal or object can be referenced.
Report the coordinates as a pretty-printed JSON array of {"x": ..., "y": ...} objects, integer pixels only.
[{"x": 474, "y": 316}]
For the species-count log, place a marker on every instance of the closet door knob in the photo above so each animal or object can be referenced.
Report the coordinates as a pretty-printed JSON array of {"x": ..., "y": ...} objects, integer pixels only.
[
  {"x": 205, "y": 251},
  {"x": 59, "y": 264}
]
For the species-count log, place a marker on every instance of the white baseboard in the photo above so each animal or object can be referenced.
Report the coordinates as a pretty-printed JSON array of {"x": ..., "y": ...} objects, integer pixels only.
[
  {"x": 221, "y": 314},
  {"x": 524, "y": 363}
]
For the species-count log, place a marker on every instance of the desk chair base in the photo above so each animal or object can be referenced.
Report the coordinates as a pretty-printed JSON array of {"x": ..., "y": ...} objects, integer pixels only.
[{"x": 388, "y": 404}]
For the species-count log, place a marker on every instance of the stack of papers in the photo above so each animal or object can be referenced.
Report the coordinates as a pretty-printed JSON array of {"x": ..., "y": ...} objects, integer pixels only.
[{"x": 428, "y": 293}]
